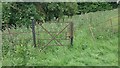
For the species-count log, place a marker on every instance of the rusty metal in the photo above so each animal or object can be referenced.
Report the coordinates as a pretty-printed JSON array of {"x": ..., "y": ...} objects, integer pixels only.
[
  {"x": 53, "y": 37},
  {"x": 13, "y": 33},
  {"x": 50, "y": 31},
  {"x": 10, "y": 35}
]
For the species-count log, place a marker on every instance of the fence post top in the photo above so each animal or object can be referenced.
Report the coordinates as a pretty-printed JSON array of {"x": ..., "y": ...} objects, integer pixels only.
[{"x": 32, "y": 18}]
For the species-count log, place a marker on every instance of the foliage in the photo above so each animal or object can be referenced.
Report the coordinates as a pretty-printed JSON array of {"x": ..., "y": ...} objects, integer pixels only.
[
  {"x": 6, "y": 14},
  {"x": 70, "y": 10},
  {"x": 20, "y": 13},
  {"x": 95, "y": 6},
  {"x": 85, "y": 52}
]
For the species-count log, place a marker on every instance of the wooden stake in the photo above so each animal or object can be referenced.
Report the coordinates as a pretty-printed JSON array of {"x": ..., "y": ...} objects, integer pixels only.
[{"x": 90, "y": 28}]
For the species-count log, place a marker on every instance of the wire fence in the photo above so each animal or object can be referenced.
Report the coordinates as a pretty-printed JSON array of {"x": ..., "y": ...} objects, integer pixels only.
[
  {"x": 38, "y": 34},
  {"x": 43, "y": 33},
  {"x": 109, "y": 25}
]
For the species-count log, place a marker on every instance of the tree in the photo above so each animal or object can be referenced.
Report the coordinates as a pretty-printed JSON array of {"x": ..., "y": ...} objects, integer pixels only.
[
  {"x": 70, "y": 9},
  {"x": 20, "y": 13}
]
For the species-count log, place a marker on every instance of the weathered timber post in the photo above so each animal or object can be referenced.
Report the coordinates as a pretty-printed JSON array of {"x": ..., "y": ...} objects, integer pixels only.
[
  {"x": 33, "y": 31},
  {"x": 71, "y": 33},
  {"x": 111, "y": 23},
  {"x": 90, "y": 28}
]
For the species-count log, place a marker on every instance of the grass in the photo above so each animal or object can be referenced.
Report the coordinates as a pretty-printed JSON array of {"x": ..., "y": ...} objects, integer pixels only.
[
  {"x": 0, "y": 36},
  {"x": 101, "y": 49}
]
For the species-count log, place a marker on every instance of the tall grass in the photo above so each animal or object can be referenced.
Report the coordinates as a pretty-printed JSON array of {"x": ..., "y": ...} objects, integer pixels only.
[{"x": 101, "y": 48}]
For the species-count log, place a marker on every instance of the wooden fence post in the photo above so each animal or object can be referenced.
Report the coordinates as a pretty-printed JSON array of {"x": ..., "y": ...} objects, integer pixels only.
[
  {"x": 90, "y": 28},
  {"x": 111, "y": 23},
  {"x": 33, "y": 31}
]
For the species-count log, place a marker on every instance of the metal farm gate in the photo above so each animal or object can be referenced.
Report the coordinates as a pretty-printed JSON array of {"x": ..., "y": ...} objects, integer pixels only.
[
  {"x": 43, "y": 34},
  {"x": 66, "y": 30}
]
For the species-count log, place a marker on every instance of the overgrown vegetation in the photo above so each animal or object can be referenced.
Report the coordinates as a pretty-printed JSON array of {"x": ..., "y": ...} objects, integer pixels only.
[
  {"x": 86, "y": 51},
  {"x": 20, "y": 13}
]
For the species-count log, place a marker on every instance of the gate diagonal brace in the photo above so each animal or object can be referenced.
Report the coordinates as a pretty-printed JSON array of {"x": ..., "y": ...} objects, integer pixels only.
[
  {"x": 53, "y": 37},
  {"x": 50, "y": 35}
]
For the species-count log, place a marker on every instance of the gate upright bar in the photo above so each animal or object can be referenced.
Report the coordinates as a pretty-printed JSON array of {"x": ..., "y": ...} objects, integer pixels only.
[
  {"x": 71, "y": 33},
  {"x": 33, "y": 31}
]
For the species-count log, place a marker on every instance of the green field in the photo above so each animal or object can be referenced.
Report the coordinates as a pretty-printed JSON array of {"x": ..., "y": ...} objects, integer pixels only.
[{"x": 95, "y": 43}]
